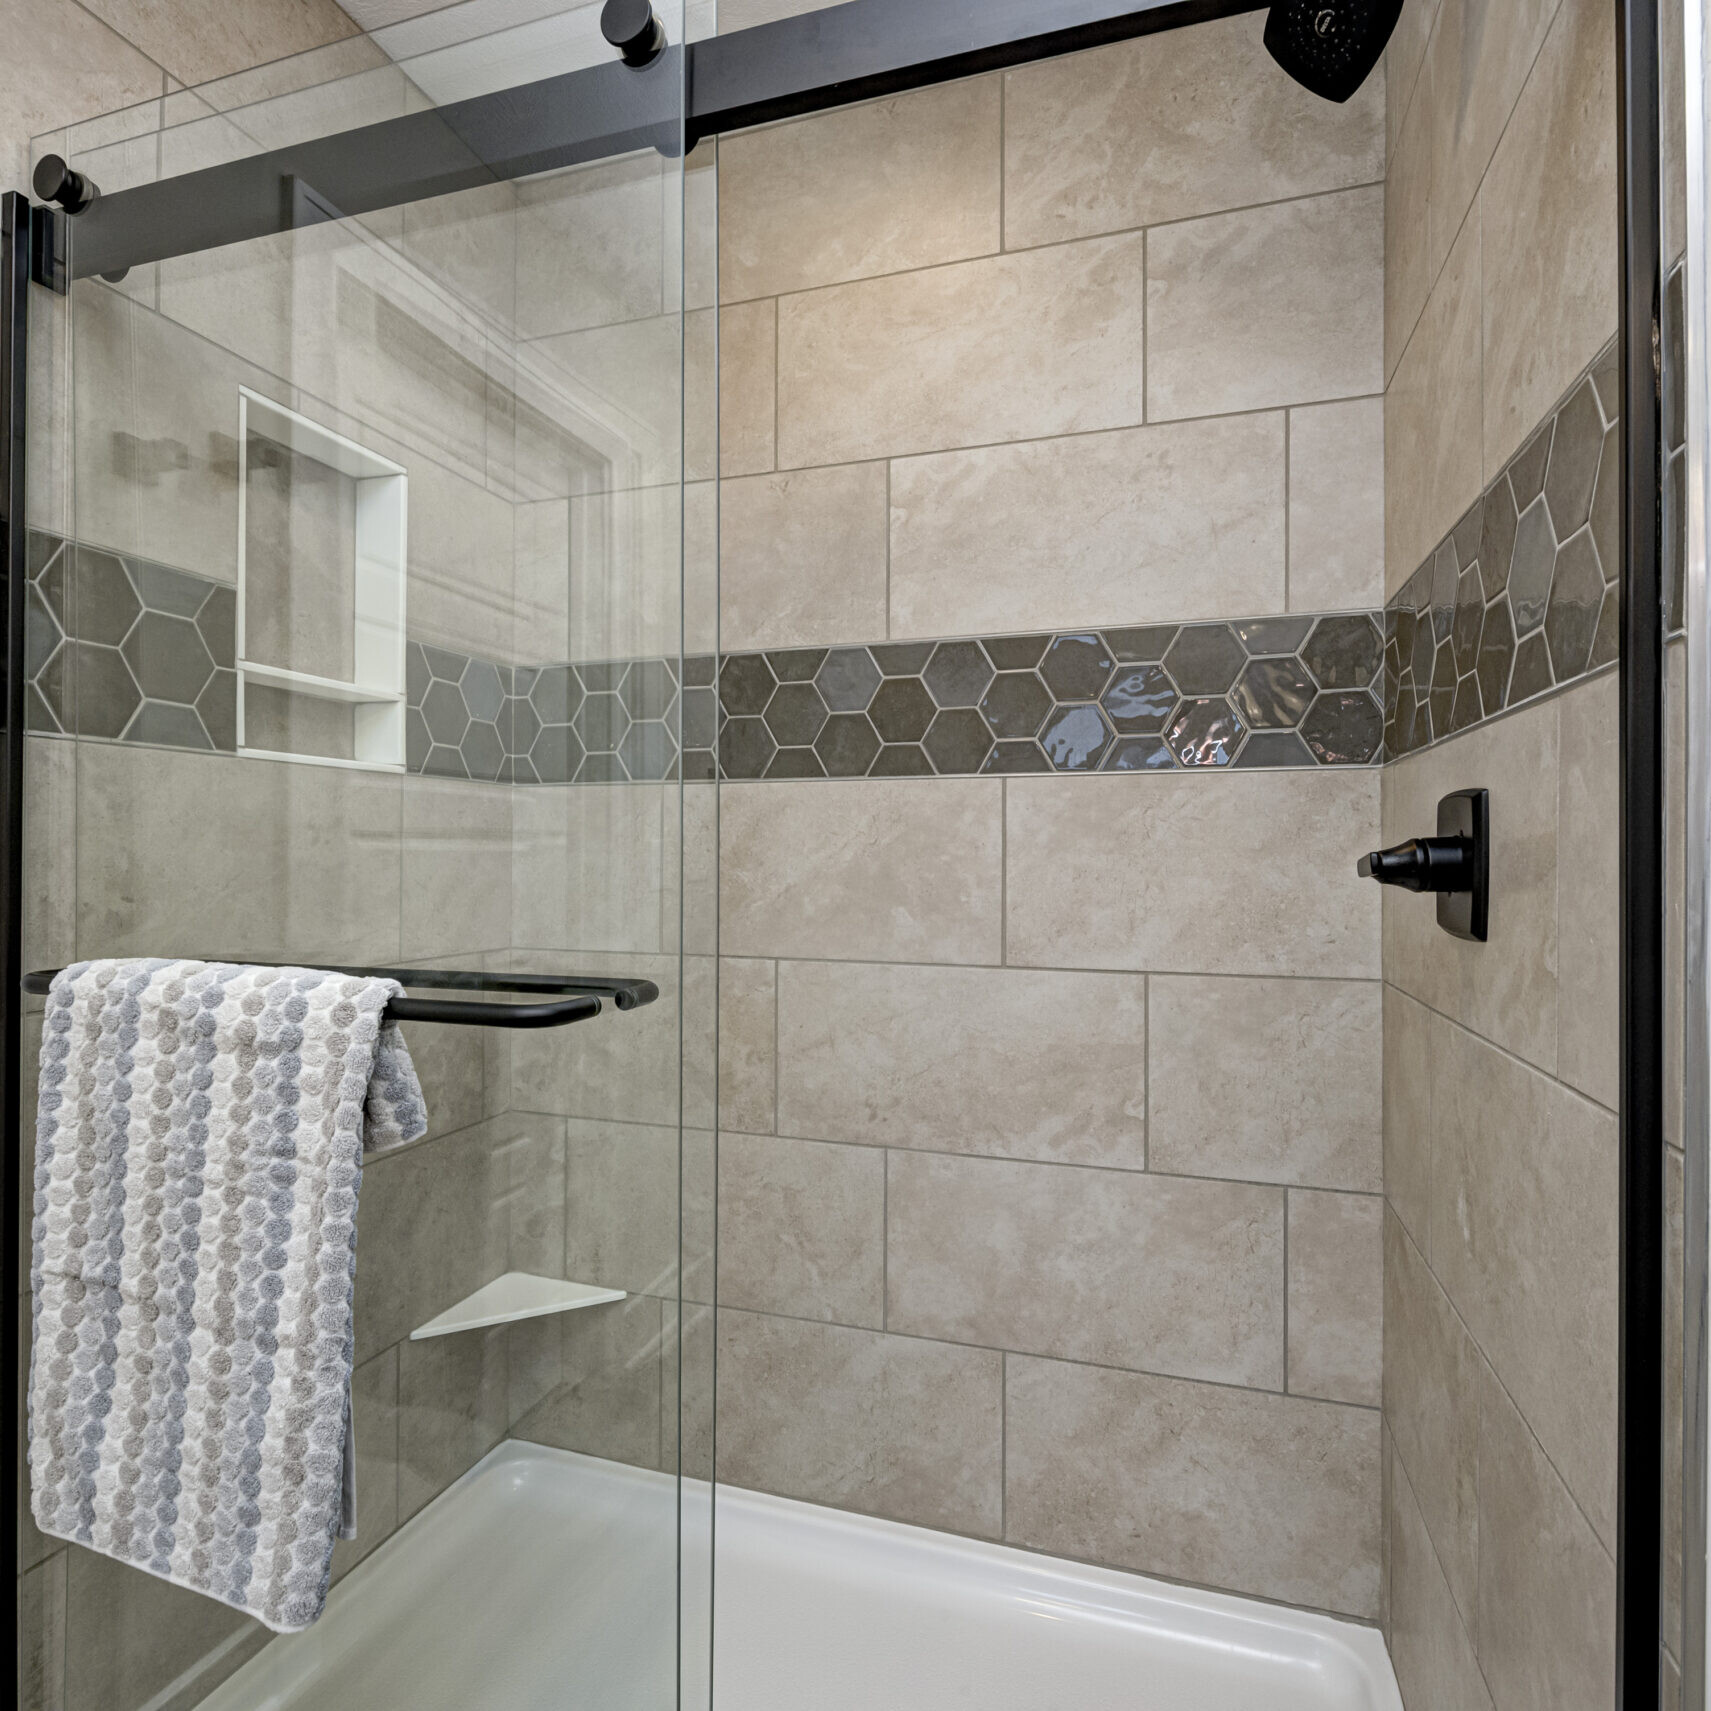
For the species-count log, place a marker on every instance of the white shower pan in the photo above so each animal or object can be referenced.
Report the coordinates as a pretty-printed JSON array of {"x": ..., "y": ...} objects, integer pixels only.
[{"x": 545, "y": 1581}]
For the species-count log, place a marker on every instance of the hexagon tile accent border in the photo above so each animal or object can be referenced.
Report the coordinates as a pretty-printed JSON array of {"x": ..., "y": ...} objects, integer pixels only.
[{"x": 1521, "y": 597}]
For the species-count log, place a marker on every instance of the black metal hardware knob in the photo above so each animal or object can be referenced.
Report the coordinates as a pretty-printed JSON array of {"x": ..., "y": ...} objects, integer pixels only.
[
  {"x": 58, "y": 183},
  {"x": 1422, "y": 864},
  {"x": 1456, "y": 864},
  {"x": 631, "y": 27}
]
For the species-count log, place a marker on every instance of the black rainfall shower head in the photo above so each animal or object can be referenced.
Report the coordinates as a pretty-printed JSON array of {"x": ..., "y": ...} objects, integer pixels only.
[{"x": 1329, "y": 46}]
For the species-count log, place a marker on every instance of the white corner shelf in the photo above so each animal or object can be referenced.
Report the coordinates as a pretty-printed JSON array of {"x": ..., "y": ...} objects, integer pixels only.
[
  {"x": 516, "y": 1295},
  {"x": 377, "y": 691}
]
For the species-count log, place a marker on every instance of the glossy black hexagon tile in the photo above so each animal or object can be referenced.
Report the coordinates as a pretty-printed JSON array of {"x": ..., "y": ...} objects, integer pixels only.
[{"x": 1520, "y": 598}]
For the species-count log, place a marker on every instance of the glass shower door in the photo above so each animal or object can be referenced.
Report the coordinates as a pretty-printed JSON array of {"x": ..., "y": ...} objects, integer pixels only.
[{"x": 372, "y": 610}]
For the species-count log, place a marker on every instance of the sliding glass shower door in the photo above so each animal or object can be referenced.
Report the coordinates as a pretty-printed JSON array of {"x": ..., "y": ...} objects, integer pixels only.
[{"x": 372, "y": 615}]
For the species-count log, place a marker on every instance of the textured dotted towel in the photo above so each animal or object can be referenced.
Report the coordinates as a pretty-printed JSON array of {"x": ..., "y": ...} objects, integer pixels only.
[{"x": 199, "y": 1145}]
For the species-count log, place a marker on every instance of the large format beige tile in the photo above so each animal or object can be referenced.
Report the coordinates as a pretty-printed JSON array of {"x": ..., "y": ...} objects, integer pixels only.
[
  {"x": 50, "y": 837},
  {"x": 1430, "y": 1645},
  {"x": 999, "y": 1061},
  {"x": 624, "y": 1206},
  {"x": 1336, "y": 506},
  {"x": 1266, "y": 1080},
  {"x": 908, "y": 182},
  {"x": 1186, "y": 122},
  {"x": 749, "y": 384},
  {"x": 1548, "y": 218},
  {"x": 1274, "y": 305},
  {"x": 195, "y": 46},
  {"x": 590, "y": 248},
  {"x": 374, "y": 1401},
  {"x": 1524, "y": 1239},
  {"x": 748, "y": 1045},
  {"x": 456, "y": 845},
  {"x": 1141, "y": 524},
  {"x": 1336, "y": 1296},
  {"x": 453, "y": 1396},
  {"x": 184, "y": 854},
  {"x": 867, "y": 869},
  {"x": 889, "y": 1426},
  {"x": 1431, "y": 1406},
  {"x": 1240, "y": 874},
  {"x": 1408, "y": 1090},
  {"x": 41, "y": 1635},
  {"x": 802, "y": 558},
  {"x": 1127, "y": 1270},
  {"x": 1011, "y": 347},
  {"x": 802, "y": 1229},
  {"x": 1546, "y": 1630},
  {"x": 1506, "y": 988},
  {"x": 1588, "y": 830},
  {"x": 1408, "y": 270},
  {"x": 1432, "y": 417},
  {"x": 1264, "y": 1494}
]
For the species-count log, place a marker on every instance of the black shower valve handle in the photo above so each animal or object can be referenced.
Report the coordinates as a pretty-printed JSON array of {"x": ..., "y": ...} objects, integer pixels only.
[{"x": 1422, "y": 864}]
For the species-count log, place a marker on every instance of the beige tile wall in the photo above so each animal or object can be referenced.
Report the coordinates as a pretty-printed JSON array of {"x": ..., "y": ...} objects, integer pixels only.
[{"x": 1050, "y": 1123}]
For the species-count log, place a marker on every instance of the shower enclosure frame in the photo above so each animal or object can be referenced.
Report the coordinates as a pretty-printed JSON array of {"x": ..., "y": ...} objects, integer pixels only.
[{"x": 818, "y": 60}]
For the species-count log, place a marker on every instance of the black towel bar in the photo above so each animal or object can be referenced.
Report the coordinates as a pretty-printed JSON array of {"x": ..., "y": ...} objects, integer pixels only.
[{"x": 572, "y": 997}]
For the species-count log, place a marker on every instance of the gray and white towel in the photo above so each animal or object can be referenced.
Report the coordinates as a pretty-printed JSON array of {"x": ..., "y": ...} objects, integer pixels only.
[{"x": 199, "y": 1143}]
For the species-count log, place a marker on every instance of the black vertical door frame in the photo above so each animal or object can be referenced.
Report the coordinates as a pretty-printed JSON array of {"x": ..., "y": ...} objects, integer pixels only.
[
  {"x": 1640, "y": 1489},
  {"x": 15, "y": 255}
]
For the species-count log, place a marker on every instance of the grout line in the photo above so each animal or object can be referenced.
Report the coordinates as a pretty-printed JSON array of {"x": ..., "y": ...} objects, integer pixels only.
[
  {"x": 1288, "y": 422},
  {"x": 1004, "y": 1444},
  {"x": 1286, "y": 1389},
  {"x": 1004, "y": 873},
  {"x": 776, "y": 1055},
  {"x": 885, "y": 1240},
  {"x": 1147, "y": 1072},
  {"x": 888, "y": 549},
  {"x": 1146, "y": 321},
  {"x": 1003, "y": 173},
  {"x": 1059, "y": 1359}
]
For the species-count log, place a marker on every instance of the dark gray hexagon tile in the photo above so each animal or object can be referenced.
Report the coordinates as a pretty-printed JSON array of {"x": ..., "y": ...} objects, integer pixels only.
[
  {"x": 700, "y": 671},
  {"x": 42, "y": 633},
  {"x": 795, "y": 714},
  {"x": 902, "y": 659},
  {"x": 52, "y": 582},
  {"x": 1530, "y": 569},
  {"x": 1016, "y": 705},
  {"x": 40, "y": 550},
  {"x": 746, "y": 684},
  {"x": 1607, "y": 506},
  {"x": 796, "y": 665},
  {"x": 1266, "y": 636},
  {"x": 38, "y": 716},
  {"x": 1134, "y": 646},
  {"x": 1345, "y": 652},
  {"x": 446, "y": 715},
  {"x": 1344, "y": 728},
  {"x": 417, "y": 742},
  {"x": 556, "y": 754},
  {"x": 1075, "y": 738},
  {"x": 1205, "y": 732},
  {"x": 602, "y": 769},
  {"x": 1015, "y": 653},
  {"x": 746, "y": 747},
  {"x": 1140, "y": 754},
  {"x": 483, "y": 751},
  {"x": 1077, "y": 667},
  {"x": 958, "y": 741},
  {"x": 417, "y": 677},
  {"x": 1272, "y": 694},
  {"x": 699, "y": 765},
  {"x": 847, "y": 680},
  {"x": 1470, "y": 617},
  {"x": 698, "y": 719},
  {"x": 1573, "y": 466},
  {"x": 167, "y": 726},
  {"x": 601, "y": 677},
  {"x": 847, "y": 744},
  {"x": 1139, "y": 699},
  {"x": 1465, "y": 536},
  {"x": 163, "y": 589},
  {"x": 957, "y": 674},
  {"x": 1442, "y": 590},
  {"x": 1527, "y": 467},
  {"x": 601, "y": 722},
  {"x": 902, "y": 710},
  {"x": 446, "y": 665},
  {"x": 648, "y": 751},
  {"x": 218, "y": 621},
  {"x": 524, "y": 723},
  {"x": 1275, "y": 748},
  {"x": 1571, "y": 620},
  {"x": 90, "y": 689},
  {"x": 1497, "y": 538},
  {"x": 1016, "y": 757},
  {"x": 648, "y": 689},
  {"x": 901, "y": 760},
  {"x": 1205, "y": 659},
  {"x": 483, "y": 691},
  {"x": 1443, "y": 688},
  {"x": 103, "y": 601},
  {"x": 795, "y": 763},
  {"x": 556, "y": 694},
  {"x": 217, "y": 706},
  {"x": 444, "y": 762},
  {"x": 1532, "y": 672},
  {"x": 1496, "y": 656},
  {"x": 168, "y": 658}
]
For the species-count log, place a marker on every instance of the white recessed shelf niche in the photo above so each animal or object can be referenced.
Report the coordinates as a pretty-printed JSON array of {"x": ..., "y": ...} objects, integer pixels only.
[{"x": 375, "y": 689}]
